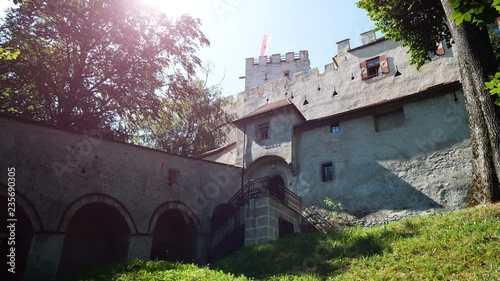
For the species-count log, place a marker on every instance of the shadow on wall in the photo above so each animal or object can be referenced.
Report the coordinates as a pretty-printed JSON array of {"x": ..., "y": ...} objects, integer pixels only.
[{"x": 384, "y": 191}]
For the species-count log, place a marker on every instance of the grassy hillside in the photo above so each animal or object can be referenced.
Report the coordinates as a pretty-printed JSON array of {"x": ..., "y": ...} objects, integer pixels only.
[{"x": 463, "y": 245}]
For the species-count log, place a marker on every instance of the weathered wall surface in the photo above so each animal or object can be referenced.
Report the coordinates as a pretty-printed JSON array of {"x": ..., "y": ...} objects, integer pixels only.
[
  {"x": 259, "y": 71},
  {"x": 279, "y": 143},
  {"x": 423, "y": 164},
  {"x": 58, "y": 173},
  {"x": 226, "y": 155},
  {"x": 352, "y": 93},
  {"x": 55, "y": 168}
]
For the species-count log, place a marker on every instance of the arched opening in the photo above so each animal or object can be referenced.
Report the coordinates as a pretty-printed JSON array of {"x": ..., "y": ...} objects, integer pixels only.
[
  {"x": 23, "y": 235},
  {"x": 277, "y": 188},
  {"x": 234, "y": 240},
  {"x": 220, "y": 215},
  {"x": 174, "y": 237},
  {"x": 97, "y": 234}
]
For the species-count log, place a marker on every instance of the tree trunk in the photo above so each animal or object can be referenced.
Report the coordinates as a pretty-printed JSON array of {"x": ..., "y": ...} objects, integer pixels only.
[{"x": 484, "y": 127}]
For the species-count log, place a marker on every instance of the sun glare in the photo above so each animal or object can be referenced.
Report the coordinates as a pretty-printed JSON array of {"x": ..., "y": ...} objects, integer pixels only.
[{"x": 176, "y": 8}]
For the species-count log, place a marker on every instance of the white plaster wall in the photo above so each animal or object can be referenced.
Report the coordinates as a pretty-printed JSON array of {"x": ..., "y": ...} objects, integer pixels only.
[
  {"x": 423, "y": 164},
  {"x": 279, "y": 143},
  {"x": 225, "y": 156},
  {"x": 255, "y": 74},
  {"x": 352, "y": 93}
]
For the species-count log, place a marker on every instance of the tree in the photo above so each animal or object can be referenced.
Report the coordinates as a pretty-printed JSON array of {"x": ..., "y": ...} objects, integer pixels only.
[
  {"x": 93, "y": 63},
  {"x": 188, "y": 124},
  {"x": 420, "y": 24}
]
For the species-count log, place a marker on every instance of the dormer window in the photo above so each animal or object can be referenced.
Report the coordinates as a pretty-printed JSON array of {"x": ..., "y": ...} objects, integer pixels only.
[
  {"x": 374, "y": 67},
  {"x": 262, "y": 131}
]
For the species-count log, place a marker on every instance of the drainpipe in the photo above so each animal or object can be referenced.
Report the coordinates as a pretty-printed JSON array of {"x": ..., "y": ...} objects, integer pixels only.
[{"x": 244, "y": 154}]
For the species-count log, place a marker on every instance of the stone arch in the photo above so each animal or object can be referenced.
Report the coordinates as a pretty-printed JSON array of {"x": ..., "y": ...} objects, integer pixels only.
[
  {"x": 220, "y": 214},
  {"x": 96, "y": 198},
  {"x": 270, "y": 166},
  {"x": 173, "y": 205},
  {"x": 27, "y": 208},
  {"x": 175, "y": 230}
]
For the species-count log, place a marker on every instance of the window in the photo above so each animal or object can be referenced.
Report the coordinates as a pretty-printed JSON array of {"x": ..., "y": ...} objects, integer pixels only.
[
  {"x": 286, "y": 74},
  {"x": 262, "y": 131},
  {"x": 327, "y": 171},
  {"x": 374, "y": 67},
  {"x": 390, "y": 120},
  {"x": 439, "y": 52},
  {"x": 335, "y": 128},
  {"x": 432, "y": 55}
]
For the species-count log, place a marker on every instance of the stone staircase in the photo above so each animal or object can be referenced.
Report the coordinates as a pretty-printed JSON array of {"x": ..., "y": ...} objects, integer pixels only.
[
  {"x": 226, "y": 229},
  {"x": 317, "y": 220}
]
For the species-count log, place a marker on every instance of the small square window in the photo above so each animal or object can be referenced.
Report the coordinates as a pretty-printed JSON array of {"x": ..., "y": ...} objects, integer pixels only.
[
  {"x": 373, "y": 67},
  {"x": 262, "y": 131},
  {"x": 327, "y": 171},
  {"x": 286, "y": 74},
  {"x": 335, "y": 128}
]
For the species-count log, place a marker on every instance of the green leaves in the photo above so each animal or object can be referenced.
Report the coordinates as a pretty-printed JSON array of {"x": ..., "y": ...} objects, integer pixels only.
[
  {"x": 493, "y": 86},
  {"x": 93, "y": 63},
  {"x": 418, "y": 24},
  {"x": 479, "y": 12},
  {"x": 9, "y": 53}
]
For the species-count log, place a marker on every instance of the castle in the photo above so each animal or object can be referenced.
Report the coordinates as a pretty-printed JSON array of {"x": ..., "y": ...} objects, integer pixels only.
[{"x": 370, "y": 132}]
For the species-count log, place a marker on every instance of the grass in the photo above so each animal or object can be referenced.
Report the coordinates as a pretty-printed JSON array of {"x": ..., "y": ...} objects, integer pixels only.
[{"x": 462, "y": 245}]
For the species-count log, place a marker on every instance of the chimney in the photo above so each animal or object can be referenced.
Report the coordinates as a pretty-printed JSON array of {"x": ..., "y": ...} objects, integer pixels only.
[
  {"x": 368, "y": 37},
  {"x": 343, "y": 47}
]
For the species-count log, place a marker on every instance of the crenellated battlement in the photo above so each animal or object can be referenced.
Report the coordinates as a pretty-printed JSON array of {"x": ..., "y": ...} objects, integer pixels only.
[
  {"x": 278, "y": 58},
  {"x": 341, "y": 85},
  {"x": 279, "y": 87}
]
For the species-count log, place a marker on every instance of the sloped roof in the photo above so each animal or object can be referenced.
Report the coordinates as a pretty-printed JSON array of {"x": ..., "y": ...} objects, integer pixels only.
[
  {"x": 216, "y": 150},
  {"x": 271, "y": 107}
]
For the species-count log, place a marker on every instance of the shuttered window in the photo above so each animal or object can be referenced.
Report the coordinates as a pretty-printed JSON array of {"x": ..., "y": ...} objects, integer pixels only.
[{"x": 374, "y": 67}]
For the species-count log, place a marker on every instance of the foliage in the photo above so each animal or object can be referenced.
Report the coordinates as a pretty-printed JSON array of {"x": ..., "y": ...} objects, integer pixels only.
[
  {"x": 418, "y": 24},
  {"x": 494, "y": 87},
  {"x": 8, "y": 53},
  {"x": 189, "y": 123},
  {"x": 138, "y": 270},
  {"x": 463, "y": 245},
  {"x": 93, "y": 64},
  {"x": 336, "y": 214},
  {"x": 479, "y": 12}
]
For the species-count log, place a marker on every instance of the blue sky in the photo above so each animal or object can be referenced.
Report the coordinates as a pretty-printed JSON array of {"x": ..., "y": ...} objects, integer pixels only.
[{"x": 236, "y": 28}]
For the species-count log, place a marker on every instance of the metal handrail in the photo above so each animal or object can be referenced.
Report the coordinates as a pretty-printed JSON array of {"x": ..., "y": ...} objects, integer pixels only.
[{"x": 261, "y": 187}]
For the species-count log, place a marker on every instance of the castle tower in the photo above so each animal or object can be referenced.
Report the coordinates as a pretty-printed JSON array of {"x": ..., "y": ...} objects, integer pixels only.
[{"x": 264, "y": 69}]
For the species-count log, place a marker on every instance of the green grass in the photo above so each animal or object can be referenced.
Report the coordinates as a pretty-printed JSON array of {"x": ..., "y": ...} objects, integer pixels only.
[
  {"x": 138, "y": 270},
  {"x": 463, "y": 245}
]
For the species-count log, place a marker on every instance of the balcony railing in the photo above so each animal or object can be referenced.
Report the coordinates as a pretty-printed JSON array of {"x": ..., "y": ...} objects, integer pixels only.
[{"x": 262, "y": 187}]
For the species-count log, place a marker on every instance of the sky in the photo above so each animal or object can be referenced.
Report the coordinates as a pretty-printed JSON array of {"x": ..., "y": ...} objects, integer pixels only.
[{"x": 235, "y": 29}]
